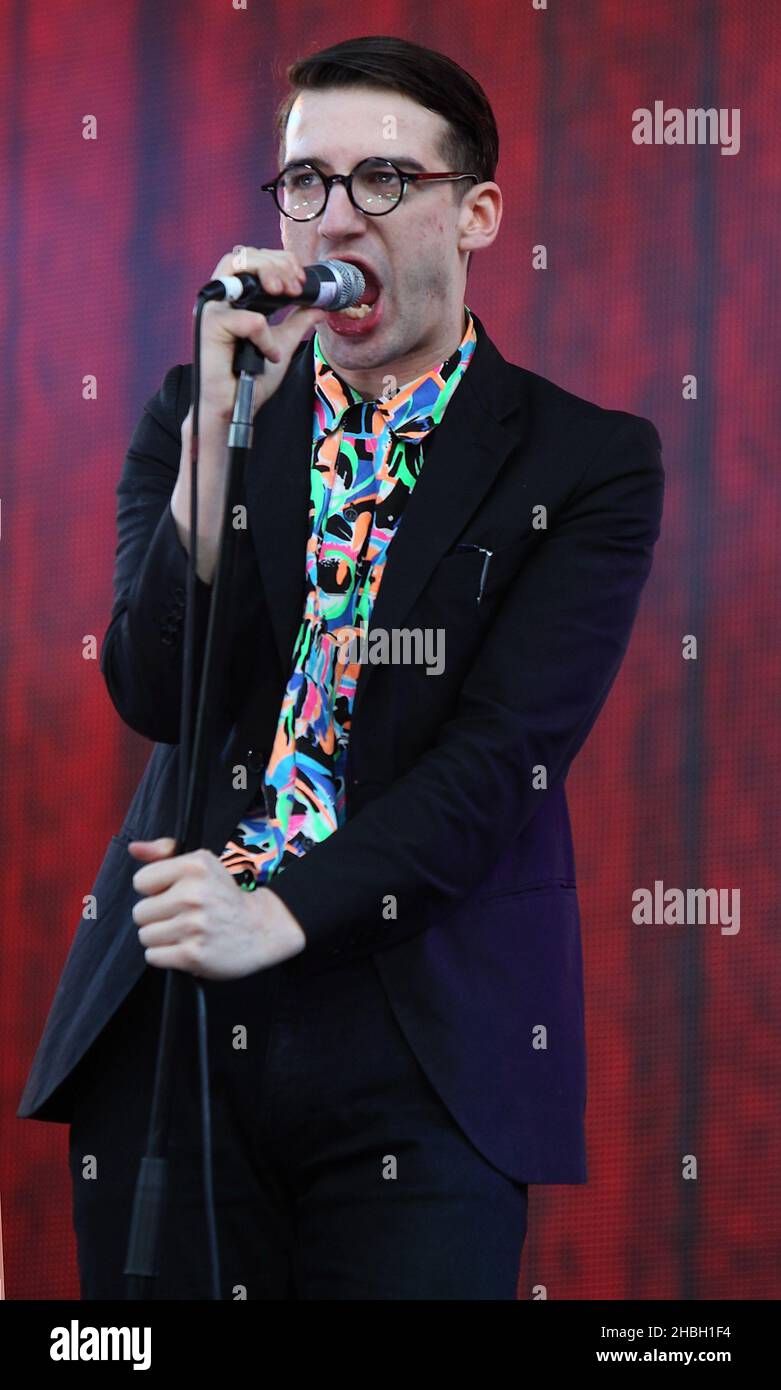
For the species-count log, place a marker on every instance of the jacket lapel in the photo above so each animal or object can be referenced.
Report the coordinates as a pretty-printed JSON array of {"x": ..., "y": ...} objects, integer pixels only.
[
  {"x": 277, "y": 493},
  {"x": 463, "y": 457}
]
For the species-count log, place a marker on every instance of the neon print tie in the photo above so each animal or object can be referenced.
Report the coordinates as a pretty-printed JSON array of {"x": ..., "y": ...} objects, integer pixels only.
[{"x": 366, "y": 459}]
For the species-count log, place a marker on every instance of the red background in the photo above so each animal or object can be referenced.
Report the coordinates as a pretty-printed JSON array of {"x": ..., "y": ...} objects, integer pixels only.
[{"x": 662, "y": 262}]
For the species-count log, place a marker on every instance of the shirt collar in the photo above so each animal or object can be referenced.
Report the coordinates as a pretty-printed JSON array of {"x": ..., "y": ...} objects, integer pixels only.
[{"x": 421, "y": 401}]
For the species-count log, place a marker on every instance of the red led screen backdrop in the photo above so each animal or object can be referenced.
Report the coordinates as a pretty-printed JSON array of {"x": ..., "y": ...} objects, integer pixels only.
[{"x": 657, "y": 296}]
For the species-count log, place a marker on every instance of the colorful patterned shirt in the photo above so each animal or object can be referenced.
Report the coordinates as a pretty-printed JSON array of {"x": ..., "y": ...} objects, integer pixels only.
[{"x": 366, "y": 458}]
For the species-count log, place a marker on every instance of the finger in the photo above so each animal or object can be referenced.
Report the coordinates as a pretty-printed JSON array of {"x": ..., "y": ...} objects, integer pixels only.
[
  {"x": 239, "y": 324},
  {"x": 290, "y": 331},
  {"x": 154, "y": 878},
  {"x": 276, "y": 270},
  {"x": 279, "y": 342},
  {"x": 283, "y": 266},
  {"x": 260, "y": 332},
  {"x": 165, "y": 933},
  {"x": 171, "y": 958},
  {"x": 164, "y": 905},
  {"x": 152, "y": 849}
]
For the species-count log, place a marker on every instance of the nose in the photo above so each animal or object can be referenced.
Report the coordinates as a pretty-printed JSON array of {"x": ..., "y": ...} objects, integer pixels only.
[{"x": 340, "y": 217}]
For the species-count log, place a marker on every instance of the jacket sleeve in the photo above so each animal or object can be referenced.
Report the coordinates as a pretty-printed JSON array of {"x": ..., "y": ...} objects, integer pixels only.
[
  {"x": 141, "y": 653},
  {"x": 541, "y": 677}
]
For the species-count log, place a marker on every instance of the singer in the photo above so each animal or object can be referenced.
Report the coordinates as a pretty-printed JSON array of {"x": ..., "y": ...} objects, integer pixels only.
[{"x": 384, "y": 909}]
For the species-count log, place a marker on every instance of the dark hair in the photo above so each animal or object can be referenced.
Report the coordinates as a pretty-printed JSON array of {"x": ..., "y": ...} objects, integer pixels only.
[{"x": 471, "y": 140}]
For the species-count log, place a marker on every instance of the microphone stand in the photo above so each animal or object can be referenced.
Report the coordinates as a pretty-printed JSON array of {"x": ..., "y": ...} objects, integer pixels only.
[{"x": 141, "y": 1264}]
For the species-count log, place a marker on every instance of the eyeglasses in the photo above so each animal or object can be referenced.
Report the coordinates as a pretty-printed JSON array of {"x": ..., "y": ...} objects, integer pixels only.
[{"x": 375, "y": 186}]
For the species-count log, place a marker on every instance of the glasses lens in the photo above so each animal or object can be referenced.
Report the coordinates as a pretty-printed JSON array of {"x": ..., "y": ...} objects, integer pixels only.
[
  {"x": 376, "y": 186},
  {"x": 301, "y": 193}
]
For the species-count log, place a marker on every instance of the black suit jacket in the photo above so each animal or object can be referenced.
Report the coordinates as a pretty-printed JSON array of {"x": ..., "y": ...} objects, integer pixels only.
[{"x": 456, "y": 810}]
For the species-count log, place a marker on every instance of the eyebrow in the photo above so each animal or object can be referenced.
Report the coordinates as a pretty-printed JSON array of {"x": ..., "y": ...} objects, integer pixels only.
[{"x": 403, "y": 159}]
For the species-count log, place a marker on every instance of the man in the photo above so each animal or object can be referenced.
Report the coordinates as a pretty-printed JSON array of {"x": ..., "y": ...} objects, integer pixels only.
[{"x": 385, "y": 915}]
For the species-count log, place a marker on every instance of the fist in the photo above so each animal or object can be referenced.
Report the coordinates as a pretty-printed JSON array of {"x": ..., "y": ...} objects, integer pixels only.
[{"x": 193, "y": 916}]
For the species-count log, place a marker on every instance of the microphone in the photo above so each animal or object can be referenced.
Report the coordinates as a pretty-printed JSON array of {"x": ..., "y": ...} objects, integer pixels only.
[{"x": 329, "y": 285}]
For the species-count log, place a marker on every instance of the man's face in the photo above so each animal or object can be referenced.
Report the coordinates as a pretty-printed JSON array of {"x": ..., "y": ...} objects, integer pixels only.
[{"x": 413, "y": 250}]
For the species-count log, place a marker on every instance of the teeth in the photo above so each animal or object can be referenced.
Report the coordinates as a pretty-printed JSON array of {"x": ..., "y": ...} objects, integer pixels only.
[{"x": 358, "y": 311}]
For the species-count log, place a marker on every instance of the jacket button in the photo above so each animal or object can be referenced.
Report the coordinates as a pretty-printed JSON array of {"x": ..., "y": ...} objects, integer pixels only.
[{"x": 254, "y": 760}]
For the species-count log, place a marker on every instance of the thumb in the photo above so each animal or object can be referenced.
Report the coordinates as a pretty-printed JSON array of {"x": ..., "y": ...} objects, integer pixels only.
[
  {"x": 296, "y": 325},
  {"x": 152, "y": 849}
]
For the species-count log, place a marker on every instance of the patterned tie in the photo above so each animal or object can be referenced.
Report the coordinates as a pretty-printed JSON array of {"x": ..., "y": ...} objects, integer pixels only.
[{"x": 366, "y": 458}]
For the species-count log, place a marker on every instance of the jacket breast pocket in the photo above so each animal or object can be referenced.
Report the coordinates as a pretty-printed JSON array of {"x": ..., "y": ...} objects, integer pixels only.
[
  {"x": 459, "y": 575},
  {"x": 471, "y": 575}
]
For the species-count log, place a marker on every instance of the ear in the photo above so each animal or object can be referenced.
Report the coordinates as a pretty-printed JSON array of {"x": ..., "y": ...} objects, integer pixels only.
[{"x": 480, "y": 217}]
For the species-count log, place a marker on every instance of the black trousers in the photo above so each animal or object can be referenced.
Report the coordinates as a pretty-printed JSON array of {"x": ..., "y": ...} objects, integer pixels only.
[{"x": 339, "y": 1173}]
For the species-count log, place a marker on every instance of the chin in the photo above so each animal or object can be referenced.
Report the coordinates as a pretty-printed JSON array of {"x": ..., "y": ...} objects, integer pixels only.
[{"x": 348, "y": 352}]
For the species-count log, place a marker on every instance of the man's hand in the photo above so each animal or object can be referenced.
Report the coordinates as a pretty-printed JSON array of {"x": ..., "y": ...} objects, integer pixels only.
[
  {"x": 222, "y": 326},
  {"x": 194, "y": 916}
]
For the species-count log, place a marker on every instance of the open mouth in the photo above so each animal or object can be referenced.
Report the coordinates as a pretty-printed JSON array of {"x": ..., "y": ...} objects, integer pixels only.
[{"x": 365, "y": 316}]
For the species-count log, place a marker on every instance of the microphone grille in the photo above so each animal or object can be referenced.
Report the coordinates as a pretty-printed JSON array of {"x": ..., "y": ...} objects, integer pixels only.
[{"x": 350, "y": 284}]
